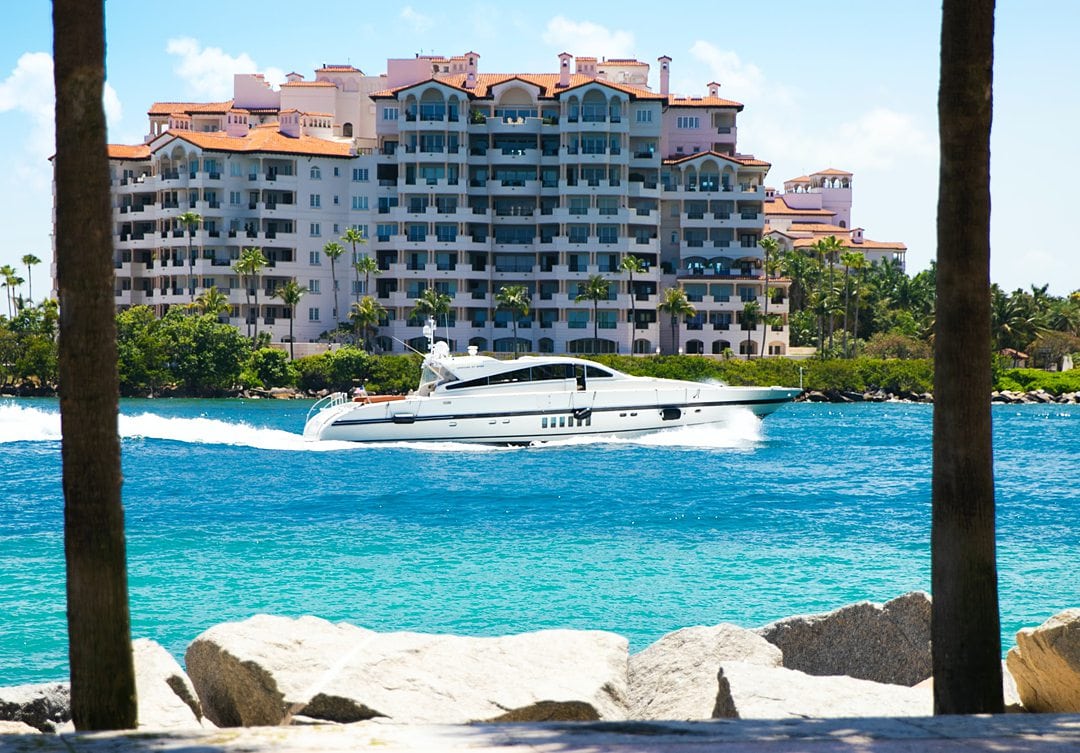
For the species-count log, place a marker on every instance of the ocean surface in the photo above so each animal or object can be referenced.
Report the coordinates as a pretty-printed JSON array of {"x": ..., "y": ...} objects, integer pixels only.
[{"x": 229, "y": 513}]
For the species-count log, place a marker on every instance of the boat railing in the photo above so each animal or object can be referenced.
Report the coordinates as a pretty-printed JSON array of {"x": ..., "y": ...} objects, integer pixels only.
[{"x": 332, "y": 400}]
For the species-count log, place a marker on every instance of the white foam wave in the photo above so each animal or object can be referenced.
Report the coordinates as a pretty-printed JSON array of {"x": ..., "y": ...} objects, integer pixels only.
[{"x": 28, "y": 424}]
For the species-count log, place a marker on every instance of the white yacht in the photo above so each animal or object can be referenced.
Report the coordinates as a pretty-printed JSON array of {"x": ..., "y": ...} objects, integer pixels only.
[{"x": 479, "y": 399}]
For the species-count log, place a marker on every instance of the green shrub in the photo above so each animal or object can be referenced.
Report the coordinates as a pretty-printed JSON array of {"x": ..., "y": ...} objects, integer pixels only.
[
  {"x": 1028, "y": 380},
  {"x": 393, "y": 375},
  {"x": 268, "y": 367}
]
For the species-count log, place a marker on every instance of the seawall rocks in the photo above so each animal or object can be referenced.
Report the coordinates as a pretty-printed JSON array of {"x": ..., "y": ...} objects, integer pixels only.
[
  {"x": 887, "y": 643},
  {"x": 266, "y": 669},
  {"x": 1046, "y": 664}
]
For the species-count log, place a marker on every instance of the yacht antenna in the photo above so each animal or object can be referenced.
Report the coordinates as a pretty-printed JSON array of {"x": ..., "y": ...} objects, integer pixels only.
[{"x": 429, "y": 333}]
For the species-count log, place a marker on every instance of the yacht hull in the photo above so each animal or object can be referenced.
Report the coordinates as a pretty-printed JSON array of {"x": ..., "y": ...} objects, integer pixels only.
[{"x": 526, "y": 417}]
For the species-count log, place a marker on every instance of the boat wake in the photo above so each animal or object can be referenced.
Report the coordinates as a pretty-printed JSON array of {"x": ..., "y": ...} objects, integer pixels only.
[{"x": 28, "y": 424}]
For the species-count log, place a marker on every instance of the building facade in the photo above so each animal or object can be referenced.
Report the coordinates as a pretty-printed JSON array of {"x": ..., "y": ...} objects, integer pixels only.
[{"x": 462, "y": 181}]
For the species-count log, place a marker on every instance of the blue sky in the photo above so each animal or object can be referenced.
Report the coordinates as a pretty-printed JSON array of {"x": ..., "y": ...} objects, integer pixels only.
[{"x": 850, "y": 84}]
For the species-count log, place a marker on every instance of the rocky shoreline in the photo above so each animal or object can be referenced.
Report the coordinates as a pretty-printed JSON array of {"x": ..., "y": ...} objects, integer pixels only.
[
  {"x": 1004, "y": 397},
  {"x": 861, "y": 660}
]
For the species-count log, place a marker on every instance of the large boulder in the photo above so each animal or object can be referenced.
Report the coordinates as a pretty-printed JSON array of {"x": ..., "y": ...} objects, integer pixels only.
[
  {"x": 43, "y": 707},
  {"x": 753, "y": 691},
  {"x": 267, "y": 669},
  {"x": 166, "y": 697},
  {"x": 1046, "y": 664},
  {"x": 17, "y": 728},
  {"x": 887, "y": 643},
  {"x": 676, "y": 677}
]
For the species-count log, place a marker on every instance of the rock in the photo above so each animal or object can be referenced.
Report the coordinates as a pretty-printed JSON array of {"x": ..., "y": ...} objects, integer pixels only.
[
  {"x": 266, "y": 669},
  {"x": 1008, "y": 690},
  {"x": 43, "y": 707},
  {"x": 166, "y": 696},
  {"x": 1046, "y": 664},
  {"x": 17, "y": 728},
  {"x": 675, "y": 678},
  {"x": 752, "y": 691},
  {"x": 889, "y": 643}
]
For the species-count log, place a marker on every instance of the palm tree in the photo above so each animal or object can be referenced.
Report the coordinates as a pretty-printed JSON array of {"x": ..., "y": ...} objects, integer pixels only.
[
  {"x": 7, "y": 272},
  {"x": 675, "y": 303},
  {"x": 850, "y": 260},
  {"x": 771, "y": 247},
  {"x": 353, "y": 236},
  {"x": 751, "y": 317},
  {"x": 190, "y": 220},
  {"x": 250, "y": 264},
  {"x": 857, "y": 262},
  {"x": 366, "y": 266},
  {"x": 965, "y": 628},
  {"x": 333, "y": 251},
  {"x": 212, "y": 301},
  {"x": 432, "y": 303},
  {"x": 290, "y": 294},
  {"x": 829, "y": 248},
  {"x": 515, "y": 298},
  {"x": 631, "y": 264},
  {"x": 30, "y": 260},
  {"x": 366, "y": 315},
  {"x": 595, "y": 289},
  {"x": 98, "y": 617}
]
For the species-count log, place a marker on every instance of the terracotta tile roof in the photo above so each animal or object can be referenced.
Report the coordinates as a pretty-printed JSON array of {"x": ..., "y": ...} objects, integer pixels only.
[
  {"x": 584, "y": 57},
  {"x": 123, "y": 151},
  {"x": 623, "y": 61},
  {"x": 850, "y": 244},
  {"x": 778, "y": 206},
  {"x": 341, "y": 68},
  {"x": 818, "y": 227},
  {"x": 702, "y": 102},
  {"x": 190, "y": 108},
  {"x": 800, "y": 179},
  {"x": 832, "y": 171},
  {"x": 547, "y": 83},
  {"x": 307, "y": 83},
  {"x": 264, "y": 138},
  {"x": 746, "y": 161}
]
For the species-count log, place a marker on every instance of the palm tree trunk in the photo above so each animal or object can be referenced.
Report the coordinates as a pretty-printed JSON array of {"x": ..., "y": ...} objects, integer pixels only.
[
  {"x": 633, "y": 315},
  {"x": 765, "y": 317},
  {"x": 256, "y": 335},
  {"x": 292, "y": 316},
  {"x": 99, "y": 631},
  {"x": 334, "y": 290},
  {"x": 855, "y": 327},
  {"x": 965, "y": 631},
  {"x": 847, "y": 304},
  {"x": 191, "y": 267},
  {"x": 595, "y": 327}
]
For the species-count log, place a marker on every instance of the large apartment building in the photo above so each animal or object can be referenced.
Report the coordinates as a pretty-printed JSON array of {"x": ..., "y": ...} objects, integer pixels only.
[{"x": 463, "y": 181}]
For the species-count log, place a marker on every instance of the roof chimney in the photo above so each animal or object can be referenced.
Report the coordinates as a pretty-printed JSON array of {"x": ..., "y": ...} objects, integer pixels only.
[
  {"x": 665, "y": 74},
  {"x": 470, "y": 69},
  {"x": 564, "y": 68},
  {"x": 714, "y": 89}
]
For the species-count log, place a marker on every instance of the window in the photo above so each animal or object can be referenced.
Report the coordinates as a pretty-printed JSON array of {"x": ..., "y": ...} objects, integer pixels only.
[
  {"x": 313, "y": 287},
  {"x": 314, "y": 258},
  {"x": 644, "y": 116},
  {"x": 315, "y": 230},
  {"x": 313, "y": 315},
  {"x": 236, "y": 170},
  {"x": 390, "y": 113},
  {"x": 315, "y": 200},
  {"x": 688, "y": 122},
  {"x": 359, "y": 202},
  {"x": 337, "y": 200},
  {"x": 608, "y": 233},
  {"x": 234, "y": 198},
  {"x": 360, "y": 174},
  {"x": 316, "y": 173},
  {"x": 337, "y": 172},
  {"x": 362, "y": 229}
]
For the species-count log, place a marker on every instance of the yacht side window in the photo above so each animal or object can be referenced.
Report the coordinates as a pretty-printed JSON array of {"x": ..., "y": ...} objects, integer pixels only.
[{"x": 595, "y": 372}]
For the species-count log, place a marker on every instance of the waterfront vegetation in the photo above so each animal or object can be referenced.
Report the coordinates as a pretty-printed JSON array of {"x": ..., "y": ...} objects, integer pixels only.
[{"x": 878, "y": 320}]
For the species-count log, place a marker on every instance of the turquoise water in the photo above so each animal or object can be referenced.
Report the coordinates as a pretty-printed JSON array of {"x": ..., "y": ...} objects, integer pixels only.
[{"x": 230, "y": 513}]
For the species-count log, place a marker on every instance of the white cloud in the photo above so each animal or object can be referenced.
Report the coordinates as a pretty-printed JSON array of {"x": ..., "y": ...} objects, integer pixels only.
[
  {"x": 207, "y": 71},
  {"x": 738, "y": 79},
  {"x": 588, "y": 38},
  {"x": 417, "y": 20},
  {"x": 28, "y": 89}
]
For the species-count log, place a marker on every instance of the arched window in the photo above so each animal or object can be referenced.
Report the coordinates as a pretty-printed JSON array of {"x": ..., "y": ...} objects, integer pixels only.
[
  {"x": 643, "y": 346},
  {"x": 695, "y": 347},
  {"x": 316, "y": 173},
  {"x": 479, "y": 343},
  {"x": 346, "y": 130},
  {"x": 719, "y": 346},
  {"x": 546, "y": 345}
]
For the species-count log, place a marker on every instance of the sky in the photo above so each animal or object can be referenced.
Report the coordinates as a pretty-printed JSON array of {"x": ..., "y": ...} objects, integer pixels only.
[{"x": 848, "y": 84}]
